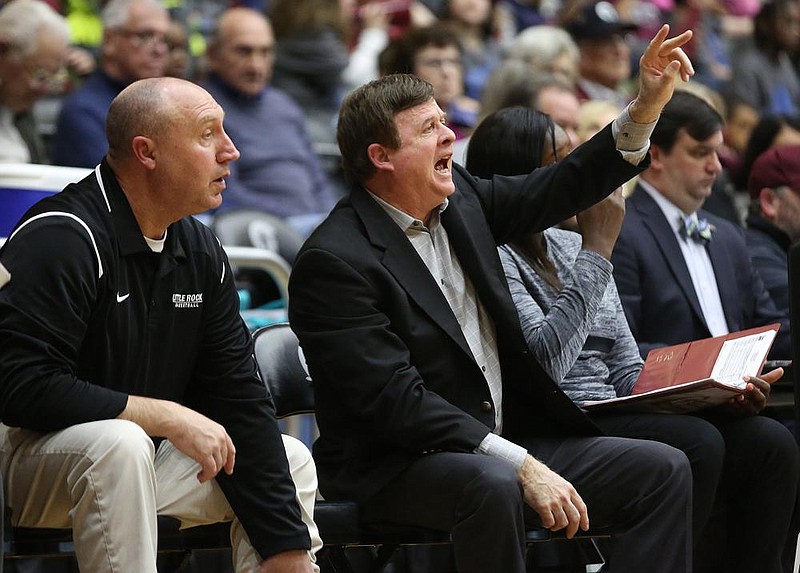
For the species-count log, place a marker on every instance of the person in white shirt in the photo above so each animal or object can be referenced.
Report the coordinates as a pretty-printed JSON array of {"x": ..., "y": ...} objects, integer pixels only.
[{"x": 34, "y": 42}]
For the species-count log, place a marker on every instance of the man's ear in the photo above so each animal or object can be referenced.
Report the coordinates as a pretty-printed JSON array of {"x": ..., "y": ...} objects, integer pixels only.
[
  {"x": 379, "y": 157},
  {"x": 143, "y": 149},
  {"x": 656, "y": 157},
  {"x": 769, "y": 203}
]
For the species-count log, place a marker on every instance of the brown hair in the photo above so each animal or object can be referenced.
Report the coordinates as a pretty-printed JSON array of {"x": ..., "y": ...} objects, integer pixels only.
[{"x": 367, "y": 117}]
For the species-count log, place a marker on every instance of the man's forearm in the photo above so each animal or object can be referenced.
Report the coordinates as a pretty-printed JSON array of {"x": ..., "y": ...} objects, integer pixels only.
[
  {"x": 197, "y": 436},
  {"x": 153, "y": 415}
]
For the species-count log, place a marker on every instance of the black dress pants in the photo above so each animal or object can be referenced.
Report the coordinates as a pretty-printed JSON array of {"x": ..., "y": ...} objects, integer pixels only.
[
  {"x": 745, "y": 479},
  {"x": 639, "y": 489}
]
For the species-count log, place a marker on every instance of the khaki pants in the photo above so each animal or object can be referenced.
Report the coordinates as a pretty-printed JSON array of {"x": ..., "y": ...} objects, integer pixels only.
[{"x": 105, "y": 481}]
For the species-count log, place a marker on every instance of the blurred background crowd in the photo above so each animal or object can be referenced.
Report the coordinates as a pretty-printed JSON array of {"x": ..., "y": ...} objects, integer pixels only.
[{"x": 282, "y": 67}]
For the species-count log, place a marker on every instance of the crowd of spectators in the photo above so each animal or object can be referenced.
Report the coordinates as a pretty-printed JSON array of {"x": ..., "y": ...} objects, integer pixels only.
[{"x": 468, "y": 49}]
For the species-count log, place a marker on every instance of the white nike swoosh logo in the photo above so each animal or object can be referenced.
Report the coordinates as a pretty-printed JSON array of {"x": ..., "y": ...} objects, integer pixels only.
[{"x": 122, "y": 298}]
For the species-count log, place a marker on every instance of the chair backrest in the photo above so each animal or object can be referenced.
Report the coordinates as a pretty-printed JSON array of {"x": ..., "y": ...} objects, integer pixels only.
[
  {"x": 249, "y": 228},
  {"x": 261, "y": 259},
  {"x": 281, "y": 365}
]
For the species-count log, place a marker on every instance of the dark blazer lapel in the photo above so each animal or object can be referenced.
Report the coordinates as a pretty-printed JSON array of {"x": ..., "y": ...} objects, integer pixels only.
[
  {"x": 657, "y": 225},
  {"x": 402, "y": 261},
  {"x": 724, "y": 271},
  {"x": 471, "y": 240}
]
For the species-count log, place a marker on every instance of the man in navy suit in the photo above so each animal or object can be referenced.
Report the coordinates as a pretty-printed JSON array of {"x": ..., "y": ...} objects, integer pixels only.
[
  {"x": 684, "y": 274},
  {"x": 431, "y": 410},
  {"x": 675, "y": 288}
]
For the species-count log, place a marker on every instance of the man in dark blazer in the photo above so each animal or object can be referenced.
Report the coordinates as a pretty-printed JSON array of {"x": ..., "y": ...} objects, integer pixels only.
[
  {"x": 664, "y": 303},
  {"x": 430, "y": 409},
  {"x": 684, "y": 274}
]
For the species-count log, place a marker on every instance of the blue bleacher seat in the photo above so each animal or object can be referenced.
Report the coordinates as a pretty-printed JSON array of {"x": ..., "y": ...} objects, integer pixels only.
[{"x": 23, "y": 184}]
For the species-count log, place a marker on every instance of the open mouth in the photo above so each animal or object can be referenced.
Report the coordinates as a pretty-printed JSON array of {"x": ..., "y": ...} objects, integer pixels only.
[{"x": 443, "y": 166}]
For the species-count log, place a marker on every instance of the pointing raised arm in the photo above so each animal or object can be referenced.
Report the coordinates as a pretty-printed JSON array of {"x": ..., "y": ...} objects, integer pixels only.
[{"x": 659, "y": 66}]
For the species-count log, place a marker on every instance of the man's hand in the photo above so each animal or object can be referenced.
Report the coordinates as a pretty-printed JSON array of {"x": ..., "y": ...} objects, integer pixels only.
[
  {"x": 295, "y": 561},
  {"x": 197, "y": 436},
  {"x": 755, "y": 396},
  {"x": 553, "y": 498},
  {"x": 203, "y": 440},
  {"x": 600, "y": 224},
  {"x": 661, "y": 63}
]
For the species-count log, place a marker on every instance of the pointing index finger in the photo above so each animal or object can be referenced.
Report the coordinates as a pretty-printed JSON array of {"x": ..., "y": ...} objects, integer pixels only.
[{"x": 659, "y": 38}]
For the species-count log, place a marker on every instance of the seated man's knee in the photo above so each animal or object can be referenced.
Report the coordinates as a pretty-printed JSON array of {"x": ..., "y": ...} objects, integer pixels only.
[
  {"x": 117, "y": 449},
  {"x": 300, "y": 460},
  {"x": 495, "y": 485},
  {"x": 120, "y": 439},
  {"x": 664, "y": 464}
]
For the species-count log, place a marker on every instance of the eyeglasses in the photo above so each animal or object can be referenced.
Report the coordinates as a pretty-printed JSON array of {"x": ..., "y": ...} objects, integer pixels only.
[
  {"x": 53, "y": 80},
  {"x": 145, "y": 38},
  {"x": 440, "y": 63}
]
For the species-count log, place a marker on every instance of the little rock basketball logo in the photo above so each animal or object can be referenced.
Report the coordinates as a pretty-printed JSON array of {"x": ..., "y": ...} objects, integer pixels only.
[{"x": 187, "y": 300}]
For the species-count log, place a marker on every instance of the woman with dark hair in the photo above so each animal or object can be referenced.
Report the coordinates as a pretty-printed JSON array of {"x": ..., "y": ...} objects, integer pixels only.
[
  {"x": 511, "y": 140},
  {"x": 520, "y": 138},
  {"x": 574, "y": 324},
  {"x": 560, "y": 280}
]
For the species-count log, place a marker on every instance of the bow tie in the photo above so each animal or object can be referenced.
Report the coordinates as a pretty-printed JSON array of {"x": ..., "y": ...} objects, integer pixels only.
[{"x": 699, "y": 230}]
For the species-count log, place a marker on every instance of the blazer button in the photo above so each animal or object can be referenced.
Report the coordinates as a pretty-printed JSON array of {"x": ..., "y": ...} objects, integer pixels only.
[{"x": 486, "y": 406}]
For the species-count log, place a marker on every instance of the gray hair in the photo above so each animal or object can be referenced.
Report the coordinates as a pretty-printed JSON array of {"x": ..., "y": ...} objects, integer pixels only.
[
  {"x": 115, "y": 14},
  {"x": 513, "y": 83},
  {"x": 539, "y": 46},
  {"x": 22, "y": 22}
]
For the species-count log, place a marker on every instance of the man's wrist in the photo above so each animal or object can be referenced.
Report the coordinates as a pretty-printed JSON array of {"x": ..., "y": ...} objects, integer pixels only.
[
  {"x": 291, "y": 560},
  {"x": 642, "y": 113}
]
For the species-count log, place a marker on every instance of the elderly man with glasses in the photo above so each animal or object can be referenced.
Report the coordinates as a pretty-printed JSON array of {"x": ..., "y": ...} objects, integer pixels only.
[
  {"x": 134, "y": 47},
  {"x": 33, "y": 49}
]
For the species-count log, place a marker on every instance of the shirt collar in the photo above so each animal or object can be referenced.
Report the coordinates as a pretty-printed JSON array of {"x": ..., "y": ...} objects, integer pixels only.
[
  {"x": 127, "y": 228},
  {"x": 403, "y": 219},
  {"x": 673, "y": 214}
]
